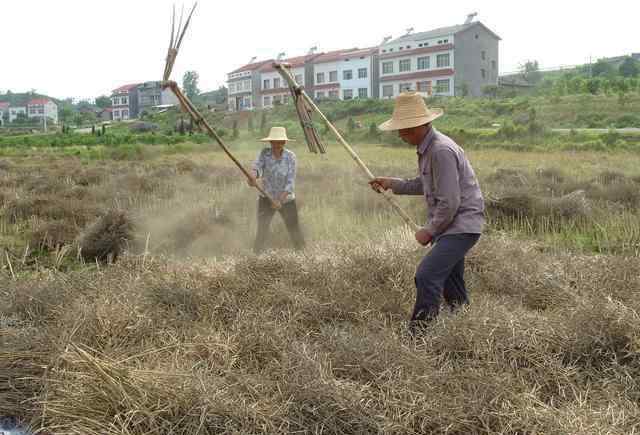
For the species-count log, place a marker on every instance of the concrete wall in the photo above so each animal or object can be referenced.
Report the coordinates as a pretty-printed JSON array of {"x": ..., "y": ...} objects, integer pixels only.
[{"x": 469, "y": 63}]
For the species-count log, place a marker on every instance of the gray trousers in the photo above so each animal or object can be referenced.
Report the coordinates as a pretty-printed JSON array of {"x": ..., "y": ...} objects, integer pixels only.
[{"x": 441, "y": 274}]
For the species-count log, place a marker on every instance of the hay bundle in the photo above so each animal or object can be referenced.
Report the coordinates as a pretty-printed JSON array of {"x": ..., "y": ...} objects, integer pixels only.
[
  {"x": 49, "y": 236},
  {"x": 508, "y": 177},
  {"x": 106, "y": 238},
  {"x": 571, "y": 206}
]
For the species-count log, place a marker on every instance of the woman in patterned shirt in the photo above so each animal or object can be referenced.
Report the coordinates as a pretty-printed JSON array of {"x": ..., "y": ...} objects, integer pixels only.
[{"x": 276, "y": 167}]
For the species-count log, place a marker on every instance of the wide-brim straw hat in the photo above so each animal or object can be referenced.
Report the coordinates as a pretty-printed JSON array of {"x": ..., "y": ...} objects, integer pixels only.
[
  {"x": 410, "y": 111},
  {"x": 277, "y": 134}
]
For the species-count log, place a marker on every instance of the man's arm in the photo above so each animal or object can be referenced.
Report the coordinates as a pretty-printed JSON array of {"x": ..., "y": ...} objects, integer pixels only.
[
  {"x": 446, "y": 190},
  {"x": 411, "y": 186},
  {"x": 397, "y": 185}
]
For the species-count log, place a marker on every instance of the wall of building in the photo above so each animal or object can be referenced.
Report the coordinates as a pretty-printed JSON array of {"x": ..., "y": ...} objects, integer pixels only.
[{"x": 469, "y": 63}]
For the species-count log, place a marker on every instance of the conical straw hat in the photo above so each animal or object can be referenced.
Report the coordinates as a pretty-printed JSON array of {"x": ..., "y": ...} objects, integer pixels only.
[
  {"x": 410, "y": 111},
  {"x": 277, "y": 134}
]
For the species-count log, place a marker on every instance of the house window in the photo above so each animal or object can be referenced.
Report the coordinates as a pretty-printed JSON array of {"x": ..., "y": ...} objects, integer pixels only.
[
  {"x": 347, "y": 94},
  {"x": 125, "y": 114},
  {"x": 299, "y": 79},
  {"x": 442, "y": 60},
  {"x": 387, "y": 91},
  {"x": 362, "y": 73},
  {"x": 125, "y": 100},
  {"x": 116, "y": 114},
  {"x": 276, "y": 83},
  {"x": 363, "y": 93},
  {"x": 285, "y": 99},
  {"x": 277, "y": 100},
  {"x": 387, "y": 67},
  {"x": 405, "y": 65},
  {"x": 333, "y": 94},
  {"x": 483, "y": 54},
  {"x": 266, "y": 101},
  {"x": 333, "y": 76},
  {"x": 247, "y": 85},
  {"x": 423, "y": 62},
  {"x": 424, "y": 86},
  {"x": 443, "y": 86},
  {"x": 404, "y": 87},
  {"x": 483, "y": 73},
  {"x": 265, "y": 84},
  {"x": 493, "y": 64},
  {"x": 232, "y": 88},
  {"x": 319, "y": 95},
  {"x": 347, "y": 74},
  {"x": 320, "y": 78}
]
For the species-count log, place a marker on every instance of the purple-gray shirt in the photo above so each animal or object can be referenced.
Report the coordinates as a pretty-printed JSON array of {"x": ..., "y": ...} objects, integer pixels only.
[{"x": 454, "y": 201}]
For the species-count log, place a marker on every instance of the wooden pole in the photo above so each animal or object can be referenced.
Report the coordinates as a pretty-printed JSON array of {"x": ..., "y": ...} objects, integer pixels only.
[
  {"x": 202, "y": 123},
  {"x": 283, "y": 70}
]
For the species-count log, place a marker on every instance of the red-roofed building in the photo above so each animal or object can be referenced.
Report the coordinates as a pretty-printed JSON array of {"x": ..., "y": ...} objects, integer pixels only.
[
  {"x": 243, "y": 86},
  {"x": 124, "y": 102},
  {"x": 273, "y": 89},
  {"x": 42, "y": 108}
]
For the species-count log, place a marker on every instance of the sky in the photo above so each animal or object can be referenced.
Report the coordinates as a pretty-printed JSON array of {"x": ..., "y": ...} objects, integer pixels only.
[{"x": 86, "y": 48}]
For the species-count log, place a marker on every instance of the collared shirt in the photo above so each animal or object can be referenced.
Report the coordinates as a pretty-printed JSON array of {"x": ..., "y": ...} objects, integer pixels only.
[
  {"x": 454, "y": 201},
  {"x": 278, "y": 174}
]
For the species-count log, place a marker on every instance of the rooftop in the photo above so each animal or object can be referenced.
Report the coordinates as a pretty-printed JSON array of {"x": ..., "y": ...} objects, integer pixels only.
[{"x": 442, "y": 31}]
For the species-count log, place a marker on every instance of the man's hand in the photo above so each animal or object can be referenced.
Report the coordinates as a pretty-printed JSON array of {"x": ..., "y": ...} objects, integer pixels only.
[
  {"x": 424, "y": 237},
  {"x": 277, "y": 205},
  {"x": 252, "y": 182},
  {"x": 283, "y": 197},
  {"x": 382, "y": 183}
]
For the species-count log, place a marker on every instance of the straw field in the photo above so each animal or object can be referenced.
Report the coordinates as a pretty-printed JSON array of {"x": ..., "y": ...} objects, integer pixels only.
[{"x": 132, "y": 303}]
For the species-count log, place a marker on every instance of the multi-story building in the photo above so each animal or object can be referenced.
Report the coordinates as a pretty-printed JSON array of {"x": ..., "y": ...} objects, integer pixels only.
[
  {"x": 16, "y": 112},
  {"x": 346, "y": 74},
  {"x": 452, "y": 60},
  {"x": 40, "y": 108},
  {"x": 273, "y": 89},
  {"x": 455, "y": 60},
  {"x": 124, "y": 102},
  {"x": 151, "y": 94},
  {"x": 243, "y": 85}
]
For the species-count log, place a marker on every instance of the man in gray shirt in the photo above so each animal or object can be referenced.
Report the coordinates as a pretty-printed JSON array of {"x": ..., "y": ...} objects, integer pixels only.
[{"x": 455, "y": 216}]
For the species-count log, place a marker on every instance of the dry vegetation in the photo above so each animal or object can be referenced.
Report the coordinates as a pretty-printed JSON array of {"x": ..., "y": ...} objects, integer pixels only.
[{"x": 132, "y": 304}]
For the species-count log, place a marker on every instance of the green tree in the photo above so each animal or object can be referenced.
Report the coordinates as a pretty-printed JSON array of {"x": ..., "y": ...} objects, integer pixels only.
[
  {"x": 190, "y": 84},
  {"x": 629, "y": 67},
  {"x": 103, "y": 102},
  {"x": 602, "y": 68},
  {"x": 531, "y": 71}
]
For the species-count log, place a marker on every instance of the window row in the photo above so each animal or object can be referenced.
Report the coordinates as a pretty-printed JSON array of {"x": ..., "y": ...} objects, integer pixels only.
[
  {"x": 441, "y": 87},
  {"x": 240, "y": 86},
  {"x": 347, "y": 94},
  {"x": 120, "y": 101},
  {"x": 276, "y": 100},
  {"x": 346, "y": 75},
  {"x": 276, "y": 83},
  {"x": 405, "y": 65}
]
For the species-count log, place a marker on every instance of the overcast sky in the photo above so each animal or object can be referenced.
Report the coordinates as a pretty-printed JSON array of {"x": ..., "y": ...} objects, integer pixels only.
[{"x": 85, "y": 48}]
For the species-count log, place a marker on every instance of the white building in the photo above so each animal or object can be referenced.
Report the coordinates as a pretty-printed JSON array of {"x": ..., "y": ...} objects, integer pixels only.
[
  {"x": 41, "y": 108},
  {"x": 273, "y": 89},
  {"x": 14, "y": 112},
  {"x": 4, "y": 112},
  {"x": 344, "y": 74}
]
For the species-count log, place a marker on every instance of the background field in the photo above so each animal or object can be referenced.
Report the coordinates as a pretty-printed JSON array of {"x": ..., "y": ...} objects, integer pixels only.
[{"x": 188, "y": 332}]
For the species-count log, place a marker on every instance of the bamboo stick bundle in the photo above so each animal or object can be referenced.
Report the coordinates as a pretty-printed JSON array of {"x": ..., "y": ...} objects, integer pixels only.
[
  {"x": 188, "y": 106},
  {"x": 304, "y": 115},
  {"x": 283, "y": 69}
]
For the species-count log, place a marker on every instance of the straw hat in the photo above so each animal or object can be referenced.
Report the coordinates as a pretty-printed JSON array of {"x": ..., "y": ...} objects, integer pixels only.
[
  {"x": 410, "y": 111},
  {"x": 277, "y": 134}
]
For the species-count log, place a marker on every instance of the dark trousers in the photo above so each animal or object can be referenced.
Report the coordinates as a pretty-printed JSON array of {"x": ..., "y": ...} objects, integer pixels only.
[
  {"x": 441, "y": 274},
  {"x": 289, "y": 213}
]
